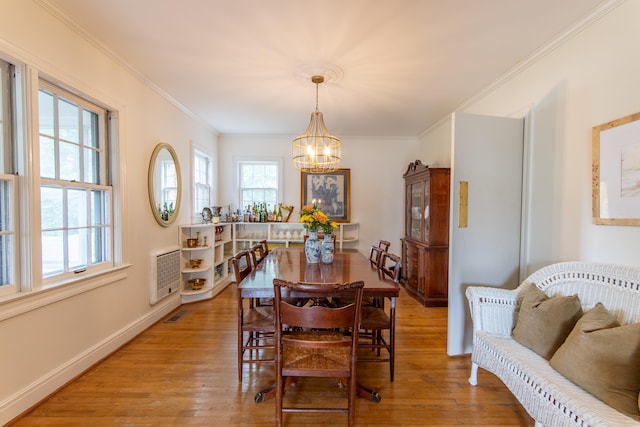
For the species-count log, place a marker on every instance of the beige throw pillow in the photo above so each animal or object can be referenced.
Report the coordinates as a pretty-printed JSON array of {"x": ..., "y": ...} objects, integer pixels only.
[
  {"x": 603, "y": 358},
  {"x": 543, "y": 323}
]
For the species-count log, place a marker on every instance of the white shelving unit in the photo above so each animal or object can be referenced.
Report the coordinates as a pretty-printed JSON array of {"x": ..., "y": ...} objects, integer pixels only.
[
  {"x": 215, "y": 247},
  {"x": 247, "y": 234}
]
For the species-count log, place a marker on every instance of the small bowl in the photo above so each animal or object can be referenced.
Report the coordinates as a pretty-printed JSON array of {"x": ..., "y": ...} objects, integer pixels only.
[
  {"x": 195, "y": 263},
  {"x": 197, "y": 284},
  {"x": 192, "y": 243}
]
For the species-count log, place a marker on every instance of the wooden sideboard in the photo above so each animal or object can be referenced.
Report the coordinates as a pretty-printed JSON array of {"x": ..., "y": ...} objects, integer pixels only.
[{"x": 425, "y": 245}]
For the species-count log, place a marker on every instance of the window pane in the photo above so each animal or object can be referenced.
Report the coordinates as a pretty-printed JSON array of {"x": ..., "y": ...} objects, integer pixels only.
[
  {"x": 51, "y": 206},
  {"x": 100, "y": 247},
  {"x": 90, "y": 166},
  {"x": 5, "y": 206},
  {"x": 47, "y": 158},
  {"x": 99, "y": 208},
  {"x": 77, "y": 208},
  {"x": 45, "y": 113},
  {"x": 52, "y": 253},
  {"x": 68, "y": 121},
  {"x": 77, "y": 248},
  {"x": 90, "y": 128},
  {"x": 6, "y": 259},
  {"x": 6, "y": 234},
  {"x": 69, "y": 162}
]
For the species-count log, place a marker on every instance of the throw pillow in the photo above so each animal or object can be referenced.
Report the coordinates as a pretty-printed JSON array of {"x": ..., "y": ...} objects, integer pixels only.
[
  {"x": 603, "y": 358},
  {"x": 544, "y": 323}
]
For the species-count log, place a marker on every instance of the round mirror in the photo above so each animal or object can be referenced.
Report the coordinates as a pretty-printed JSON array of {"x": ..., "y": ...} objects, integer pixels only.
[{"x": 165, "y": 186}]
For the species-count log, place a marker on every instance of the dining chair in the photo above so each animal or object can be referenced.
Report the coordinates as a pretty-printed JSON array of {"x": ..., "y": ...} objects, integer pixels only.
[
  {"x": 321, "y": 237},
  {"x": 376, "y": 250},
  {"x": 390, "y": 265},
  {"x": 257, "y": 254},
  {"x": 376, "y": 319},
  {"x": 256, "y": 321},
  {"x": 265, "y": 247},
  {"x": 316, "y": 340}
]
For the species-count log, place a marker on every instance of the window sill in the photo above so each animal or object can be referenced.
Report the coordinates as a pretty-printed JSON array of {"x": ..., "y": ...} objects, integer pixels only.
[{"x": 23, "y": 302}]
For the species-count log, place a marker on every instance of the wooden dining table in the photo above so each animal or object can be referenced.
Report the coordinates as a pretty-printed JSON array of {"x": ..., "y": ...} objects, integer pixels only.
[{"x": 348, "y": 265}]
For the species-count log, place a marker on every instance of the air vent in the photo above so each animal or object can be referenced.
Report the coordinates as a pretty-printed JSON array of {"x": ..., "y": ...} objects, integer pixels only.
[{"x": 165, "y": 274}]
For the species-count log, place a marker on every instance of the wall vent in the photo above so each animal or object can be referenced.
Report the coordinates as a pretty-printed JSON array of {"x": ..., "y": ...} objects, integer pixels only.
[{"x": 165, "y": 274}]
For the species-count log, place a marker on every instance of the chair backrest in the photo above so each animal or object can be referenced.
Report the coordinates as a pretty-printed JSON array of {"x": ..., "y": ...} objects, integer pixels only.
[
  {"x": 321, "y": 237},
  {"x": 257, "y": 254},
  {"x": 375, "y": 252},
  {"x": 390, "y": 265},
  {"x": 241, "y": 265},
  {"x": 265, "y": 247},
  {"x": 317, "y": 315}
]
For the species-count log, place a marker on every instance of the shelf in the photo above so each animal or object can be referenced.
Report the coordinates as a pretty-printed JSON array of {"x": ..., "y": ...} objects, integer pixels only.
[
  {"x": 204, "y": 290},
  {"x": 203, "y": 268},
  {"x": 215, "y": 255},
  {"x": 197, "y": 248}
]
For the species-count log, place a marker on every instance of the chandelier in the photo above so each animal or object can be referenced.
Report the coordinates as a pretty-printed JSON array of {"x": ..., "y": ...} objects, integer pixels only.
[{"x": 316, "y": 150}]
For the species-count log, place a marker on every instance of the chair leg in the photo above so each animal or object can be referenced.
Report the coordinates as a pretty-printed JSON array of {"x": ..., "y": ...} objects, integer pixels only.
[
  {"x": 240, "y": 340},
  {"x": 279, "y": 395},
  {"x": 351, "y": 416},
  {"x": 473, "y": 378}
]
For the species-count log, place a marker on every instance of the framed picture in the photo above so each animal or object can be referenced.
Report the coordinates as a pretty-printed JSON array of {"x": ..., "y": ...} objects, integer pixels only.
[
  {"x": 616, "y": 172},
  {"x": 331, "y": 191}
]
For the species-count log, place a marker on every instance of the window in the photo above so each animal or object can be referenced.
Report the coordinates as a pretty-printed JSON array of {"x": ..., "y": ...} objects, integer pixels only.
[
  {"x": 75, "y": 198},
  {"x": 259, "y": 182},
  {"x": 201, "y": 181},
  {"x": 8, "y": 201}
]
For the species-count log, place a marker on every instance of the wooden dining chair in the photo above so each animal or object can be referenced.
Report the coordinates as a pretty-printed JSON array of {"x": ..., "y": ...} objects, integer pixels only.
[
  {"x": 390, "y": 265},
  {"x": 257, "y": 254},
  {"x": 375, "y": 251},
  {"x": 377, "y": 319},
  {"x": 316, "y": 340},
  {"x": 265, "y": 247},
  {"x": 255, "y": 321},
  {"x": 321, "y": 237}
]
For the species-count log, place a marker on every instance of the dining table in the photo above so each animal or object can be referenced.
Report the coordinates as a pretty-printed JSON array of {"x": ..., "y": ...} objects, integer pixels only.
[{"x": 348, "y": 265}]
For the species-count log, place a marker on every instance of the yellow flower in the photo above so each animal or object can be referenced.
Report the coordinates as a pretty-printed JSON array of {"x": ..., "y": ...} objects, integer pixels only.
[{"x": 313, "y": 218}]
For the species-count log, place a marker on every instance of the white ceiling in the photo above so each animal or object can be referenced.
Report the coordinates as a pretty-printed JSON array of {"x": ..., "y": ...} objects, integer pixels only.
[{"x": 394, "y": 67}]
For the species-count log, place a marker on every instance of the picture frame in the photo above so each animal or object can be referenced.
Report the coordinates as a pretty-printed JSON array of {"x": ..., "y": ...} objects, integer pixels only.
[
  {"x": 331, "y": 191},
  {"x": 616, "y": 172}
]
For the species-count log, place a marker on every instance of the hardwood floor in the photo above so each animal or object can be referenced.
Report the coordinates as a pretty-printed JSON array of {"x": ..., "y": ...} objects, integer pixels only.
[{"x": 184, "y": 374}]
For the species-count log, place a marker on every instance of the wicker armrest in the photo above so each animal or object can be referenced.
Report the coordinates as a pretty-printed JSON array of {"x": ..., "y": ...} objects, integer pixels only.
[{"x": 493, "y": 310}]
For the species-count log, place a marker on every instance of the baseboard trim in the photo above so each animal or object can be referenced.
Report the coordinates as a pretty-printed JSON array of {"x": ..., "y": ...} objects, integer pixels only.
[{"x": 28, "y": 397}]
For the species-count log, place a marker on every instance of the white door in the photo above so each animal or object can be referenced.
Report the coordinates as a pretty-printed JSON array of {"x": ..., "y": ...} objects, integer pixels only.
[{"x": 487, "y": 155}]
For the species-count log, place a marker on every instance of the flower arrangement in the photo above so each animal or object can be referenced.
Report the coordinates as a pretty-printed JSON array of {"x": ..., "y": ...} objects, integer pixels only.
[{"x": 313, "y": 219}]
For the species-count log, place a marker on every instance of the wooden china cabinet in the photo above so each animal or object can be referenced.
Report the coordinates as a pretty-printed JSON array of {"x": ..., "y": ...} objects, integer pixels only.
[{"x": 425, "y": 246}]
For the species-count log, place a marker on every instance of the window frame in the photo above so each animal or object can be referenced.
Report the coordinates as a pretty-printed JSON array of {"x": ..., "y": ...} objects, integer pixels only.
[
  {"x": 240, "y": 160},
  {"x": 196, "y": 184},
  {"x": 103, "y": 185}
]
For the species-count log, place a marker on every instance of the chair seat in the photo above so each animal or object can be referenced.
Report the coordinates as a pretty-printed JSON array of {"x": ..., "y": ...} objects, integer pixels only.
[
  {"x": 259, "y": 318},
  {"x": 302, "y": 353},
  {"x": 374, "y": 318}
]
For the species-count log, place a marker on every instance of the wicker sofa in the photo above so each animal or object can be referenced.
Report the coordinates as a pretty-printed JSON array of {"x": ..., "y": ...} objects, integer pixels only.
[{"x": 550, "y": 398}]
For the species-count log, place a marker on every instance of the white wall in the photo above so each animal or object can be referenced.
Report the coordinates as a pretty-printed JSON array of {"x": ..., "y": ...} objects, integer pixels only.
[
  {"x": 377, "y": 187},
  {"x": 43, "y": 348},
  {"x": 588, "y": 80}
]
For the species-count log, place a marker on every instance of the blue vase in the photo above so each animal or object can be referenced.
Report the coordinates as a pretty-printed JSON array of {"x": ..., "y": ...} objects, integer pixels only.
[
  {"x": 312, "y": 248},
  {"x": 326, "y": 248}
]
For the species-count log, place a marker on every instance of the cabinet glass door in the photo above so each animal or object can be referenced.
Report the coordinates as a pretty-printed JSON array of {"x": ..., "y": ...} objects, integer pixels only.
[
  {"x": 427, "y": 199},
  {"x": 416, "y": 210}
]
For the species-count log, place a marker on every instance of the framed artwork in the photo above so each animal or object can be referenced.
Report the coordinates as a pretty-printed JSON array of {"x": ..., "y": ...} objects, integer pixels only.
[
  {"x": 616, "y": 172},
  {"x": 331, "y": 191}
]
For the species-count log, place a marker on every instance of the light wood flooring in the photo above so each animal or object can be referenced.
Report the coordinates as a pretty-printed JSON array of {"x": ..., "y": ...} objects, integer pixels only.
[{"x": 184, "y": 374}]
